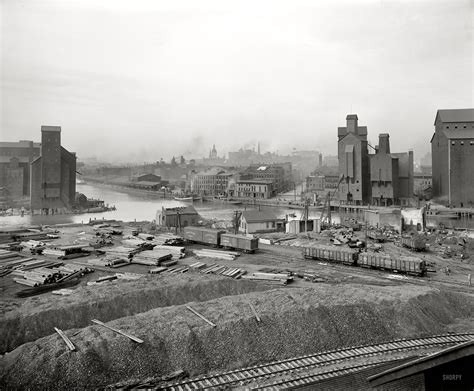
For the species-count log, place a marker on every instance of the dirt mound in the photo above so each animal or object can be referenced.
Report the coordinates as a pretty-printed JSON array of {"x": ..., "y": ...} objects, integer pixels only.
[
  {"x": 38, "y": 315},
  {"x": 294, "y": 322}
]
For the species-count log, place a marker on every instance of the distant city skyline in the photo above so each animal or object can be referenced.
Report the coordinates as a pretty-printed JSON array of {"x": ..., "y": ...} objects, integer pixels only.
[{"x": 137, "y": 81}]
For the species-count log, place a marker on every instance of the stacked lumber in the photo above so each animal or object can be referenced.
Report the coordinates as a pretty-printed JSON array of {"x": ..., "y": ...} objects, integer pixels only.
[
  {"x": 122, "y": 251},
  {"x": 168, "y": 239},
  {"x": 38, "y": 276},
  {"x": 218, "y": 269},
  {"x": 225, "y": 255},
  {"x": 280, "y": 278},
  {"x": 144, "y": 236},
  {"x": 177, "y": 252},
  {"x": 157, "y": 270},
  {"x": 133, "y": 242},
  {"x": 53, "y": 252},
  {"x": 152, "y": 258},
  {"x": 113, "y": 261}
]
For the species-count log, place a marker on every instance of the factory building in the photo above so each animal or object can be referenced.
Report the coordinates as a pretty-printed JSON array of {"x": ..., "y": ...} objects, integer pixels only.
[
  {"x": 53, "y": 174},
  {"x": 391, "y": 175},
  {"x": 452, "y": 152},
  {"x": 15, "y": 160},
  {"x": 354, "y": 165}
]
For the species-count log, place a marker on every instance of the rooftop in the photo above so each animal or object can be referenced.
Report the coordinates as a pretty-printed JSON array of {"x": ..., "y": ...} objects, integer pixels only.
[
  {"x": 455, "y": 115},
  {"x": 48, "y": 128},
  {"x": 256, "y": 216}
]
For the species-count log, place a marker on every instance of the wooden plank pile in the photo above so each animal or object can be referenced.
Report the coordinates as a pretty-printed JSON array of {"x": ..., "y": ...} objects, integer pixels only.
[
  {"x": 177, "y": 252},
  {"x": 208, "y": 253},
  {"x": 113, "y": 261},
  {"x": 218, "y": 269},
  {"x": 122, "y": 251},
  {"x": 151, "y": 257},
  {"x": 168, "y": 239},
  {"x": 278, "y": 278}
]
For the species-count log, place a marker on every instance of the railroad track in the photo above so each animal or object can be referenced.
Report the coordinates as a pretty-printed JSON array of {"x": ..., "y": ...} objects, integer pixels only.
[{"x": 288, "y": 366}]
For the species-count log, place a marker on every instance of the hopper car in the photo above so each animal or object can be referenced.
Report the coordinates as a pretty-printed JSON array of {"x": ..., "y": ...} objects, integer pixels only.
[{"x": 347, "y": 256}]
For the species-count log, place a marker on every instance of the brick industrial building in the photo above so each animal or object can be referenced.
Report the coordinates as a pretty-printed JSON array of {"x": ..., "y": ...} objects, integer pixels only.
[
  {"x": 354, "y": 163},
  {"x": 452, "y": 152},
  {"x": 53, "y": 174}
]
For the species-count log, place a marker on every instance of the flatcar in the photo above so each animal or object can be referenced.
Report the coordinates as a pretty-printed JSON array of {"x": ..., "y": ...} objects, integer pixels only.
[
  {"x": 239, "y": 242},
  {"x": 415, "y": 243}
]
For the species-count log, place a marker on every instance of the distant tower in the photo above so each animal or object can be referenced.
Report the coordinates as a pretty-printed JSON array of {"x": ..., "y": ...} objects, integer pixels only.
[
  {"x": 258, "y": 148},
  {"x": 213, "y": 153}
]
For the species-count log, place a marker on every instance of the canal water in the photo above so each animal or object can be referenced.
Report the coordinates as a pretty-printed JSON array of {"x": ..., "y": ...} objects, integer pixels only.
[{"x": 139, "y": 207}]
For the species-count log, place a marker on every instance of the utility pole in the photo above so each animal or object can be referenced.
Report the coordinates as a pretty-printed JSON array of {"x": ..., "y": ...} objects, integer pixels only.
[{"x": 237, "y": 215}]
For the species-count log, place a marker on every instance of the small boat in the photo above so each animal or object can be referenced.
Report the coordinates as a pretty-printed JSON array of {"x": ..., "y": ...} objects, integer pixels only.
[{"x": 184, "y": 199}]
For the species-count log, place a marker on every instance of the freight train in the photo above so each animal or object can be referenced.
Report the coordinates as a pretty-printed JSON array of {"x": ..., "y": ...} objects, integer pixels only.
[
  {"x": 219, "y": 238},
  {"x": 347, "y": 256}
]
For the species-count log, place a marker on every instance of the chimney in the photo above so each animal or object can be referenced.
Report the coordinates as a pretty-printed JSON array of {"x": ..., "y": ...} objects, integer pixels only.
[{"x": 384, "y": 143}]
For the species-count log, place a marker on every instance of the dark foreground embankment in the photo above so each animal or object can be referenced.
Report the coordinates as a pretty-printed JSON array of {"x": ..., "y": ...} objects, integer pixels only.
[
  {"x": 294, "y": 322},
  {"x": 38, "y": 315}
]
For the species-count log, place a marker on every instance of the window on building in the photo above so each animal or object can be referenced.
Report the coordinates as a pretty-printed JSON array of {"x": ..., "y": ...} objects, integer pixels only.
[
  {"x": 462, "y": 142},
  {"x": 455, "y": 127},
  {"x": 453, "y": 143}
]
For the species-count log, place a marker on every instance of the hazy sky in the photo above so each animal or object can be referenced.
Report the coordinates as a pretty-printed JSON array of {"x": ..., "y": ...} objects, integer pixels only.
[{"x": 139, "y": 80}]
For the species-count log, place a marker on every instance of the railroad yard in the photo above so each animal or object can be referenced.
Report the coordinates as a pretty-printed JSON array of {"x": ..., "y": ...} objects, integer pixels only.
[{"x": 127, "y": 305}]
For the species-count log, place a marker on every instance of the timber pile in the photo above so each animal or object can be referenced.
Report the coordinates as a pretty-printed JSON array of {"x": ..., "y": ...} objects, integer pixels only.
[
  {"x": 43, "y": 275},
  {"x": 225, "y": 255},
  {"x": 218, "y": 269},
  {"x": 133, "y": 242},
  {"x": 111, "y": 261},
  {"x": 151, "y": 257},
  {"x": 278, "y": 278},
  {"x": 168, "y": 239},
  {"x": 177, "y": 252},
  {"x": 122, "y": 251}
]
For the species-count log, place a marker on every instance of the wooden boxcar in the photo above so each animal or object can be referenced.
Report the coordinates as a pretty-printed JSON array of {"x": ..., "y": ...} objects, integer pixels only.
[
  {"x": 239, "y": 242},
  {"x": 203, "y": 235},
  {"x": 401, "y": 264},
  {"x": 415, "y": 243},
  {"x": 331, "y": 253}
]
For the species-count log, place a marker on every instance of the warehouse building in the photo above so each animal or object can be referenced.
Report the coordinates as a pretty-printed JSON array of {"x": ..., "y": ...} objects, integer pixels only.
[
  {"x": 452, "y": 151},
  {"x": 53, "y": 174},
  {"x": 254, "y": 221},
  {"x": 212, "y": 182}
]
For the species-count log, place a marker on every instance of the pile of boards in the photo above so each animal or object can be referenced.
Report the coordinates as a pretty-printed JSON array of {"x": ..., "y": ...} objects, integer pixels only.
[
  {"x": 208, "y": 253},
  {"x": 153, "y": 257},
  {"x": 218, "y": 269},
  {"x": 277, "y": 278}
]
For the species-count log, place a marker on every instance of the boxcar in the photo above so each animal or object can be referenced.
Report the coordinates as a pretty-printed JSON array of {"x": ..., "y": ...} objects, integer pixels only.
[
  {"x": 415, "y": 243},
  {"x": 331, "y": 253},
  {"x": 375, "y": 260},
  {"x": 239, "y": 242},
  {"x": 203, "y": 235}
]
